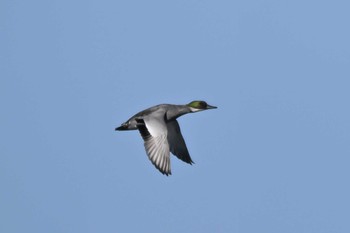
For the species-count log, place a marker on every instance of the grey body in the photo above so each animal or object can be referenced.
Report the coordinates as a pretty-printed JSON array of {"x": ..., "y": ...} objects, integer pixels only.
[
  {"x": 170, "y": 112},
  {"x": 161, "y": 132}
]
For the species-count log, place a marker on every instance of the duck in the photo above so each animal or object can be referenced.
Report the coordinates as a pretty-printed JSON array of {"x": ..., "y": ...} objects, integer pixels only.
[{"x": 161, "y": 132}]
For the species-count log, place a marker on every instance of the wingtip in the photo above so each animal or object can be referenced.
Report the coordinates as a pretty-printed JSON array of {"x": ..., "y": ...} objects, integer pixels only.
[
  {"x": 167, "y": 173},
  {"x": 164, "y": 172}
]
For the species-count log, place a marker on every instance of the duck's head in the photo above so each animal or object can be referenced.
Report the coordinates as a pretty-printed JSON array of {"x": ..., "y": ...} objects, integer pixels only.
[{"x": 199, "y": 105}]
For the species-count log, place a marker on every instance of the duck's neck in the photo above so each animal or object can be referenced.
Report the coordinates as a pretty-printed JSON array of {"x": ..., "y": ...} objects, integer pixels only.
[{"x": 177, "y": 111}]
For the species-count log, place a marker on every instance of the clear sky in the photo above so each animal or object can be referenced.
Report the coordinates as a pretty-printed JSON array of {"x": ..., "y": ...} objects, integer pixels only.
[{"x": 274, "y": 157}]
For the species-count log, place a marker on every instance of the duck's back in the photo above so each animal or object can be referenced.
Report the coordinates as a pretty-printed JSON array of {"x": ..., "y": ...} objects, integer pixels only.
[
  {"x": 151, "y": 110},
  {"x": 161, "y": 111}
]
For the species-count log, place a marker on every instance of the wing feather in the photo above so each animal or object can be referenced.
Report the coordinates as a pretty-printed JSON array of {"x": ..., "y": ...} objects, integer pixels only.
[
  {"x": 177, "y": 143},
  {"x": 154, "y": 133}
]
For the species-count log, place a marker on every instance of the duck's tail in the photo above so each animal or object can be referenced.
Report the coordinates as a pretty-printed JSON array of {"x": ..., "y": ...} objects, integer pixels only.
[
  {"x": 129, "y": 125},
  {"x": 122, "y": 127}
]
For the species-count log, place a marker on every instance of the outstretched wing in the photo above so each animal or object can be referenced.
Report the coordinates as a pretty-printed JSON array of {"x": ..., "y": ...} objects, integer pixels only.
[
  {"x": 154, "y": 133},
  {"x": 176, "y": 142}
]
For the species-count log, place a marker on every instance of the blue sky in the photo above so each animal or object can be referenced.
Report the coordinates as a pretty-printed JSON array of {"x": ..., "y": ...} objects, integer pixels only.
[{"x": 274, "y": 157}]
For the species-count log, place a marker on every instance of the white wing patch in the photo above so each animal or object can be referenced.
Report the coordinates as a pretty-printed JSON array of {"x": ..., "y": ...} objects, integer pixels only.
[{"x": 154, "y": 132}]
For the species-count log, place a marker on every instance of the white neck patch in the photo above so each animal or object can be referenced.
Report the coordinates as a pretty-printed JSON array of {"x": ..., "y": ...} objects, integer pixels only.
[{"x": 195, "y": 109}]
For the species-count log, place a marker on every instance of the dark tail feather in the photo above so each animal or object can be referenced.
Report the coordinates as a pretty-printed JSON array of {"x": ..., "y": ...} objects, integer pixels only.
[{"x": 122, "y": 127}]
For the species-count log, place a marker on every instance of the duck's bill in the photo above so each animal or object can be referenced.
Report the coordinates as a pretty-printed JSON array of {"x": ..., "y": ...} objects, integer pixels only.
[{"x": 211, "y": 107}]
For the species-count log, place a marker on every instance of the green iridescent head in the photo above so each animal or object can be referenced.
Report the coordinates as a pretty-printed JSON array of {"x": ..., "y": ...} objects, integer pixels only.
[{"x": 199, "y": 105}]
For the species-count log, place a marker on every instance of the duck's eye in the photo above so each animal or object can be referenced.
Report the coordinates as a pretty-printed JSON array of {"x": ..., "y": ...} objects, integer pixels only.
[{"x": 203, "y": 104}]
